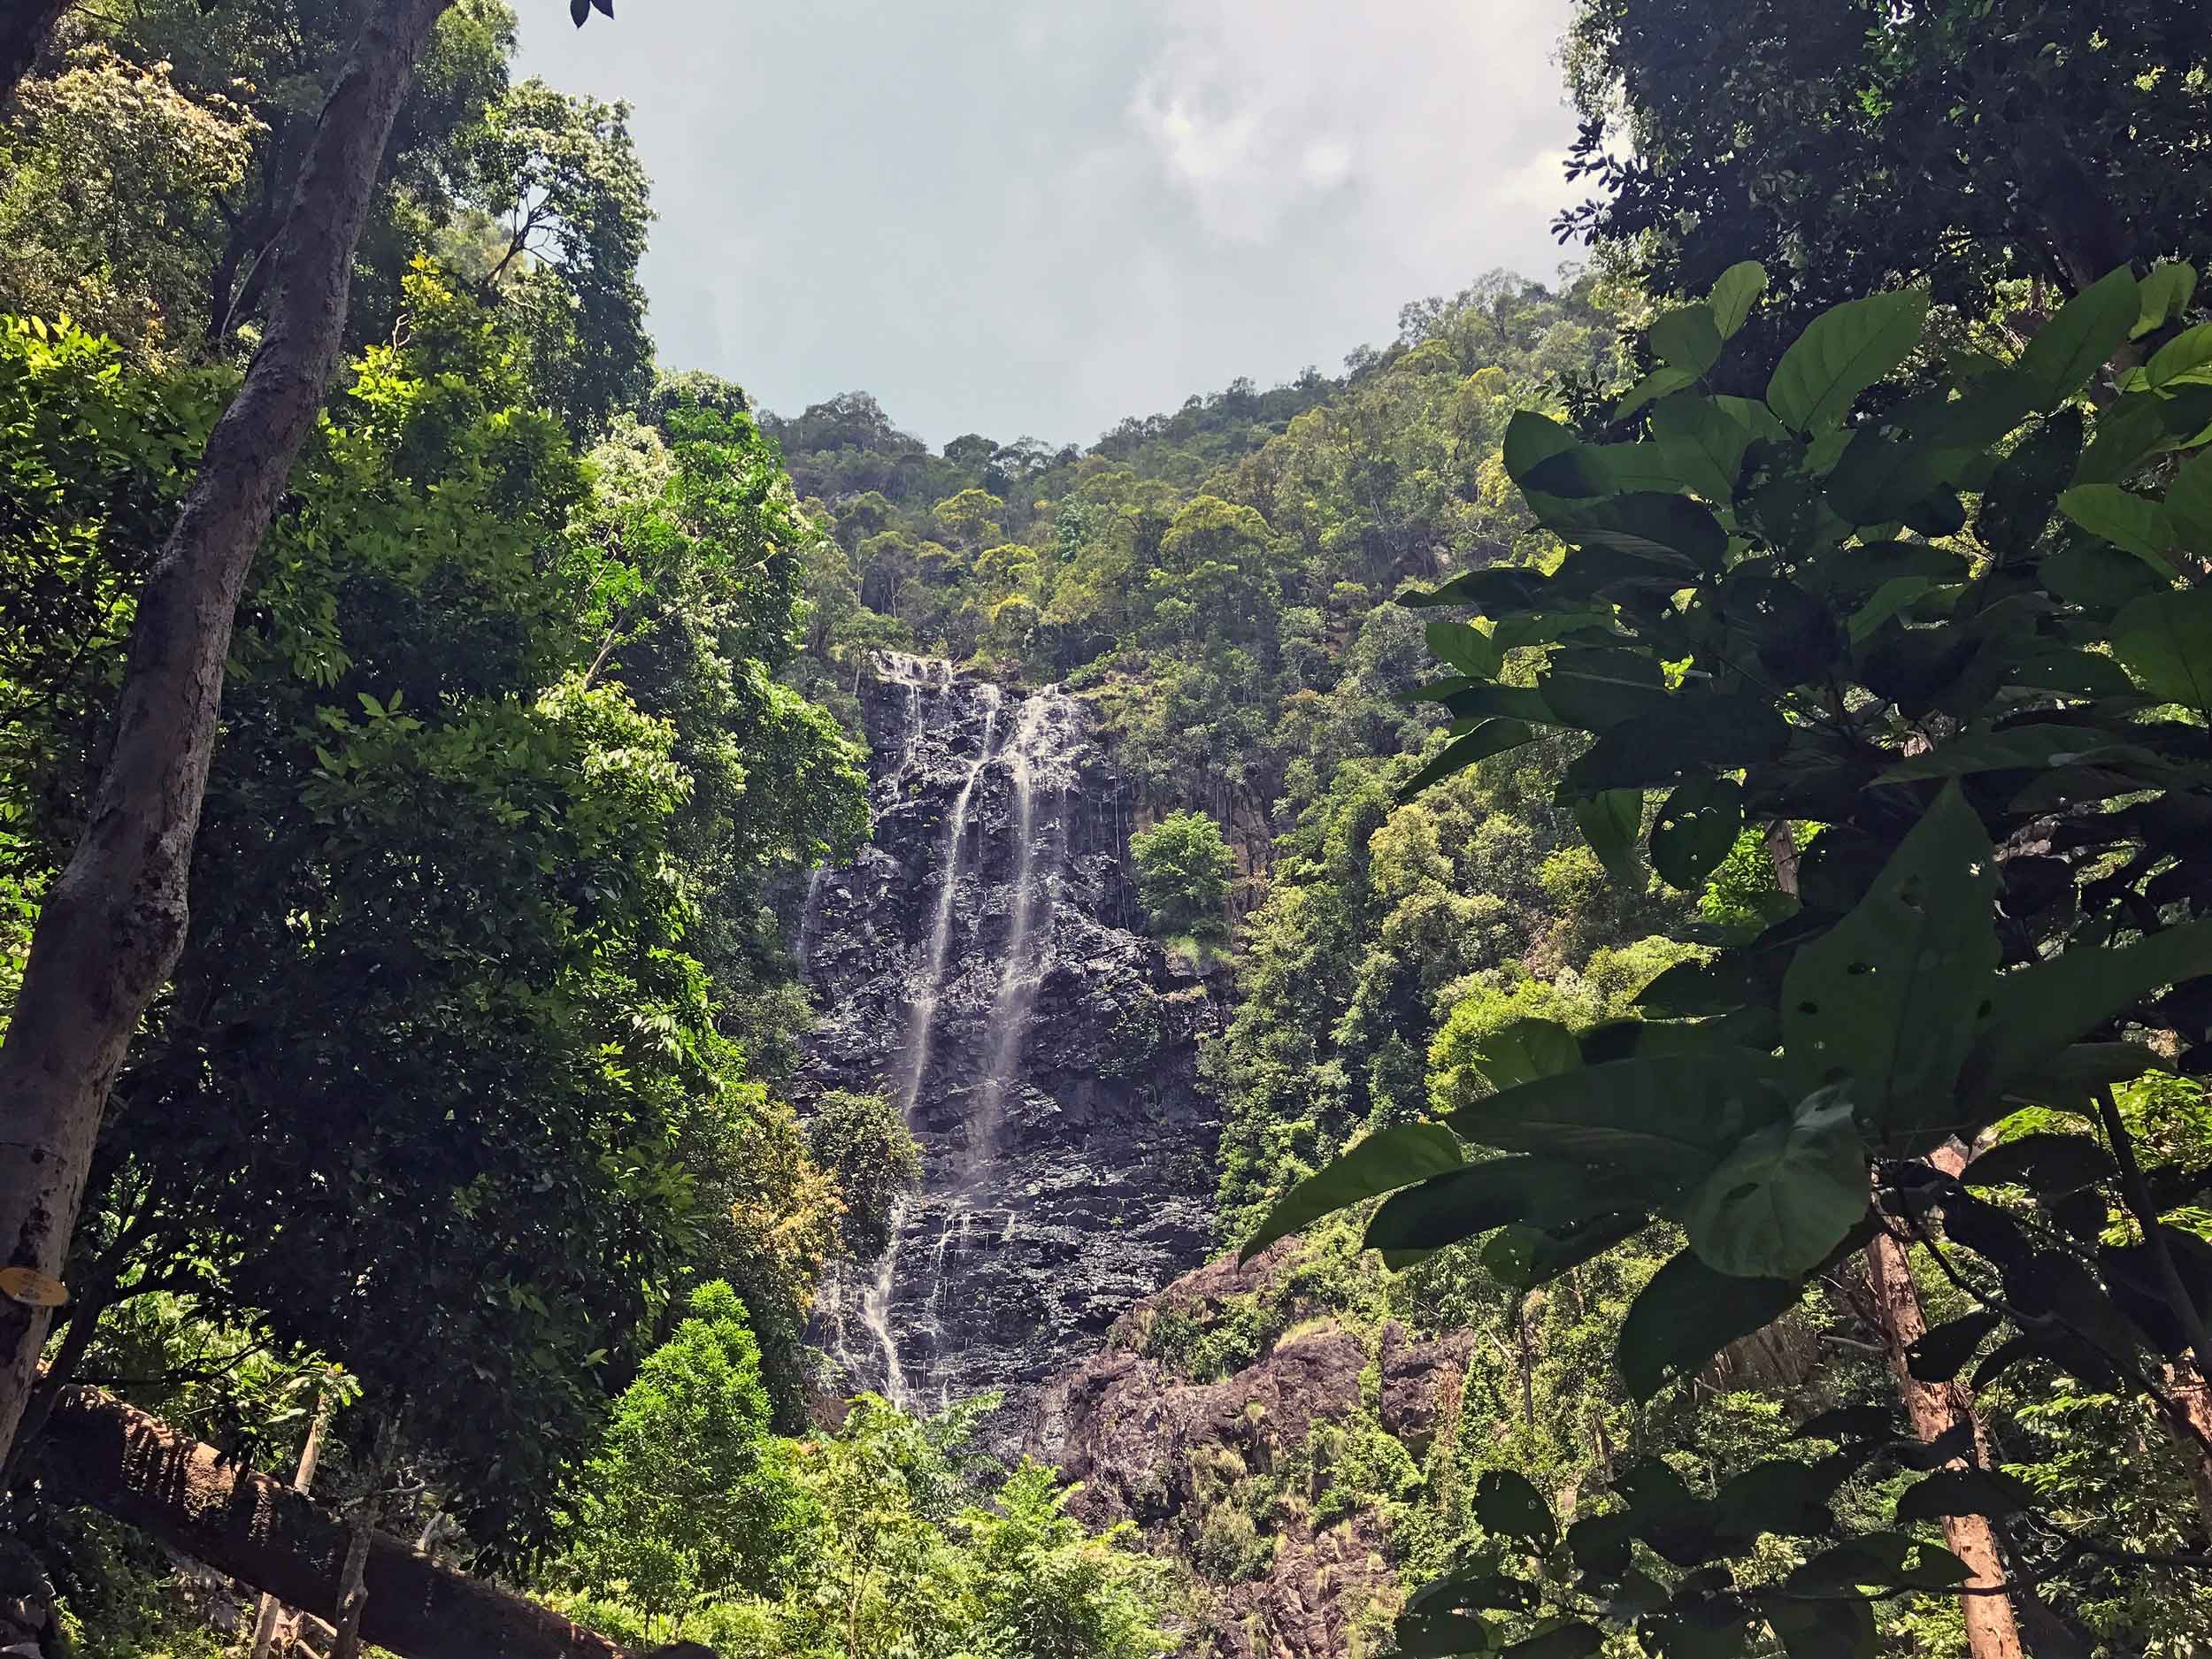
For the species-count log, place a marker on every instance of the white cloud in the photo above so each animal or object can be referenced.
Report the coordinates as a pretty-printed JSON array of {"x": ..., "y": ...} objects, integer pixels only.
[{"x": 1009, "y": 218}]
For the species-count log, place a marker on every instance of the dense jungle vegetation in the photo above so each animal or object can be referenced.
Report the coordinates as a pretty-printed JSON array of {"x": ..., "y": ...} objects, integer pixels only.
[{"x": 1692, "y": 780}]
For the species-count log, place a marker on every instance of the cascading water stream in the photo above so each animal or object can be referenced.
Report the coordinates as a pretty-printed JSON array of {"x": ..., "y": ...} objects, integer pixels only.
[
  {"x": 1018, "y": 977},
  {"x": 929, "y": 990}
]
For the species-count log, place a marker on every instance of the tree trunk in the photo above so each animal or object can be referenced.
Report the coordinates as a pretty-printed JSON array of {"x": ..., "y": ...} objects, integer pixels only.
[
  {"x": 353, "y": 1586},
  {"x": 2192, "y": 1410},
  {"x": 205, "y": 1505},
  {"x": 24, "y": 27},
  {"x": 266, "y": 1615},
  {"x": 114, "y": 922},
  {"x": 1933, "y": 1409}
]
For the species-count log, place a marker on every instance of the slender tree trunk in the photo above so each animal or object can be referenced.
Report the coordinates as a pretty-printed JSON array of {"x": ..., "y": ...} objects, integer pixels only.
[
  {"x": 24, "y": 27},
  {"x": 114, "y": 923},
  {"x": 207, "y": 1506},
  {"x": 353, "y": 1586},
  {"x": 1934, "y": 1409},
  {"x": 266, "y": 1616}
]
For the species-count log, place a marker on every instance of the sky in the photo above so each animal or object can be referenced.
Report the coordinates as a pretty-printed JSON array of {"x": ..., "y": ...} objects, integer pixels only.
[{"x": 1032, "y": 219}]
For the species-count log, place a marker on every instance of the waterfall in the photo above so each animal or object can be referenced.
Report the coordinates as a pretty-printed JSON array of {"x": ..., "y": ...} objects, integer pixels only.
[
  {"x": 974, "y": 962},
  {"x": 875, "y": 1310},
  {"x": 808, "y": 935},
  {"x": 1018, "y": 977},
  {"x": 929, "y": 989}
]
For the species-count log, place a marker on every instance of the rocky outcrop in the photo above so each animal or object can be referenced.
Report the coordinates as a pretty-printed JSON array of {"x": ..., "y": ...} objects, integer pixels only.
[
  {"x": 984, "y": 963},
  {"x": 1244, "y": 1477}
]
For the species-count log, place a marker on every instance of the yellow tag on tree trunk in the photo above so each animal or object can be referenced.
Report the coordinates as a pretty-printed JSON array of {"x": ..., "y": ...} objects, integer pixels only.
[{"x": 31, "y": 1288}]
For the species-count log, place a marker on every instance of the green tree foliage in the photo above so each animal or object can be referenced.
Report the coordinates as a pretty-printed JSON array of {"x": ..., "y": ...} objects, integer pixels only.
[
  {"x": 556, "y": 185},
  {"x": 112, "y": 171},
  {"x": 906, "y": 1544},
  {"x": 1742, "y": 623},
  {"x": 440, "y": 865},
  {"x": 690, "y": 1499},
  {"x": 1855, "y": 146},
  {"x": 862, "y": 1140},
  {"x": 1202, "y": 577},
  {"x": 1183, "y": 870}
]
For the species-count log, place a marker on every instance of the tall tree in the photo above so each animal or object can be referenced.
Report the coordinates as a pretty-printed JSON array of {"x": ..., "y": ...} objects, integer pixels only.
[
  {"x": 115, "y": 922},
  {"x": 1853, "y": 146}
]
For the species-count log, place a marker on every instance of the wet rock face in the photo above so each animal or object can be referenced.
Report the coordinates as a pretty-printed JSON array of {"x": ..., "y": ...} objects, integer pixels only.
[
  {"x": 984, "y": 963},
  {"x": 1151, "y": 1446}
]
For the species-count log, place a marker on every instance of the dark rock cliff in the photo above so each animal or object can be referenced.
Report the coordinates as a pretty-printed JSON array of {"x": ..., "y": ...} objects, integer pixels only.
[{"x": 984, "y": 964}]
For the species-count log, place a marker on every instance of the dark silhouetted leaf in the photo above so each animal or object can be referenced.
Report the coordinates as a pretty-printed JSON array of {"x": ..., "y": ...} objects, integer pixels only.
[
  {"x": 2043, "y": 1163},
  {"x": 1942, "y": 1353},
  {"x": 1686, "y": 733},
  {"x": 1695, "y": 828},
  {"x": 1511, "y": 1506},
  {"x": 1687, "y": 1314},
  {"x": 1964, "y": 1492}
]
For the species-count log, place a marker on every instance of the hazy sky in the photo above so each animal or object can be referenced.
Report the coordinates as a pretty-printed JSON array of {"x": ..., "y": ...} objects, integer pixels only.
[{"x": 1037, "y": 219}]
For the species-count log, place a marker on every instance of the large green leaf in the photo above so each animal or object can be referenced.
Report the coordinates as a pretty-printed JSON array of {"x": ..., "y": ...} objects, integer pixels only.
[
  {"x": 1675, "y": 1116},
  {"x": 1652, "y": 526},
  {"x": 2077, "y": 342},
  {"x": 2041, "y": 1010},
  {"x": 1523, "y": 1050},
  {"x": 1695, "y": 829},
  {"x": 1689, "y": 733},
  {"x": 1687, "y": 1314},
  {"x": 1465, "y": 648},
  {"x": 2189, "y": 352},
  {"x": 1609, "y": 821},
  {"x": 1845, "y": 351},
  {"x": 2163, "y": 294},
  {"x": 1686, "y": 338},
  {"x": 1781, "y": 1200},
  {"x": 1735, "y": 293},
  {"x": 1890, "y": 997},
  {"x": 1468, "y": 702},
  {"x": 1531, "y": 440},
  {"x": 1595, "y": 686},
  {"x": 1479, "y": 1198},
  {"x": 2124, "y": 519},
  {"x": 1390, "y": 1158},
  {"x": 1522, "y": 1257},
  {"x": 1492, "y": 737},
  {"x": 2166, "y": 639},
  {"x": 2189, "y": 502},
  {"x": 1658, "y": 383},
  {"x": 1703, "y": 444},
  {"x": 2129, "y": 429}
]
